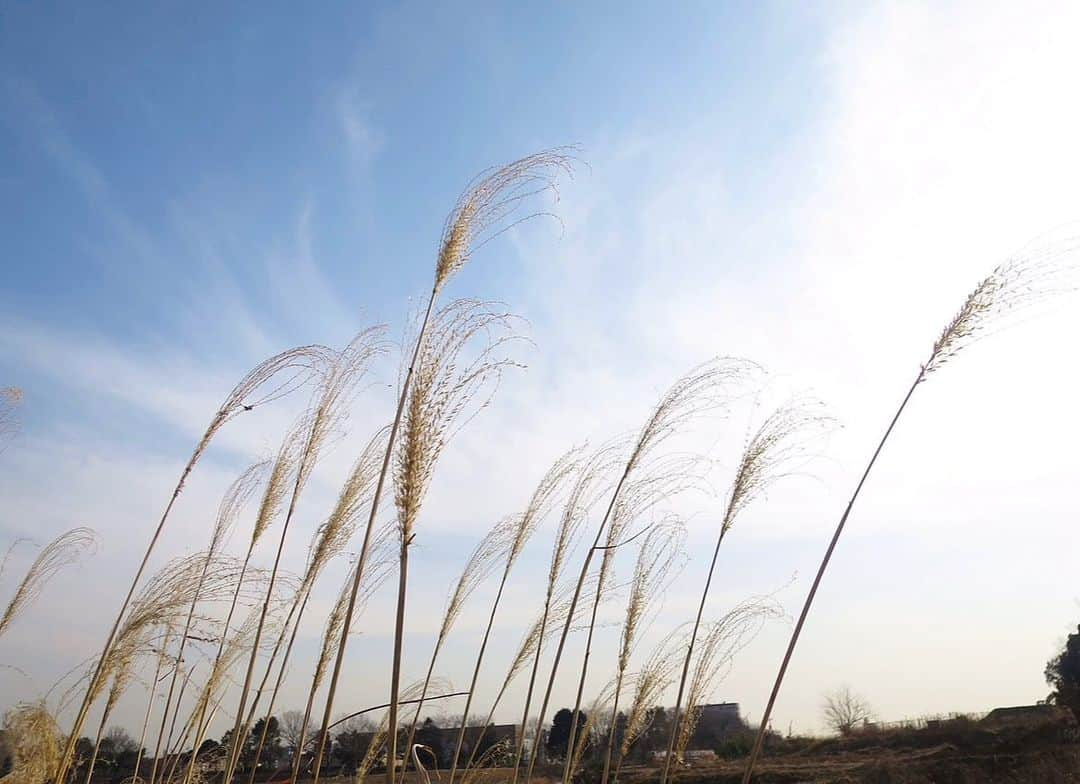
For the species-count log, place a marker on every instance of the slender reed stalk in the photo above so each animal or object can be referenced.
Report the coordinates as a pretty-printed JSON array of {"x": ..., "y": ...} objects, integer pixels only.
[
  {"x": 162, "y": 657},
  {"x": 700, "y": 391},
  {"x": 379, "y": 739},
  {"x": 718, "y": 645},
  {"x": 62, "y": 551},
  {"x": 597, "y": 708},
  {"x": 521, "y": 529},
  {"x": 653, "y": 679},
  {"x": 542, "y": 629},
  {"x": 256, "y": 388},
  {"x": 659, "y": 554},
  {"x": 583, "y": 494},
  {"x": 230, "y": 649},
  {"x": 491, "y": 200},
  {"x": 775, "y": 449},
  {"x": 328, "y": 409},
  {"x": 379, "y": 567},
  {"x": 330, "y": 539},
  {"x": 1016, "y": 286},
  {"x": 443, "y": 387},
  {"x": 237, "y": 495},
  {"x": 478, "y": 567}
]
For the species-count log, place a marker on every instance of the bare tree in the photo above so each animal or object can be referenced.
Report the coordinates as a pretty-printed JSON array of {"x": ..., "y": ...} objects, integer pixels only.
[
  {"x": 844, "y": 710},
  {"x": 293, "y": 729}
]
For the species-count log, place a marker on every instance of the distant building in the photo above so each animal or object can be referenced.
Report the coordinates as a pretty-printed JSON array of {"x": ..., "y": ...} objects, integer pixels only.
[{"x": 715, "y": 724}]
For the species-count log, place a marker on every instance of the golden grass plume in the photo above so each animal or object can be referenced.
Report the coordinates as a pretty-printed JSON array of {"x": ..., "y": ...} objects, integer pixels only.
[
  {"x": 62, "y": 551},
  {"x": 488, "y": 206},
  {"x": 35, "y": 741}
]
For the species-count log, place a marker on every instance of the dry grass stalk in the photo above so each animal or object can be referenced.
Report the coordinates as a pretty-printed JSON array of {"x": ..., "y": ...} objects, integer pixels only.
[
  {"x": 544, "y": 627},
  {"x": 587, "y": 734},
  {"x": 274, "y": 378},
  {"x": 281, "y": 474},
  {"x": 163, "y": 602},
  {"x": 717, "y": 648},
  {"x": 651, "y": 477},
  {"x": 62, "y": 551},
  {"x": 330, "y": 539},
  {"x": 232, "y": 503},
  {"x": 1019, "y": 285},
  {"x": 584, "y": 492},
  {"x": 379, "y": 566},
  {"x": 479, "y": 566},
  {"x": 34, "y": 740},
  {"x": 121, "y": 680},
  {"x": 445, "y": 384},
  {"x": 328, "y": 409},
  {"x": 653, "y": 679},
  {"x": 474, "y": 772},
  {"x": 160, "y": 661},
  {"x": 780, "y": 445},
  {"x": 661, "y": 552},
  {"x": 705, "y": 389},
  {"x": 231, "y": 648},
  {"x": 383, "y": 733},
  {"x": 476, "y": 218},
  {"x": 521, "y": 529}
]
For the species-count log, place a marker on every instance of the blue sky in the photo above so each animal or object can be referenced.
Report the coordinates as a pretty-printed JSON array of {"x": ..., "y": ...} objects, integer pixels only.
[{"x": 185, "y": 190}]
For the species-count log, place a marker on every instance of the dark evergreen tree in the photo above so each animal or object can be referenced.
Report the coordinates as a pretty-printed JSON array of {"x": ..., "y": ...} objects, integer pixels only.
[
  {"x": 559, "y": 735},
  {"x": 1063, "y": 674}
]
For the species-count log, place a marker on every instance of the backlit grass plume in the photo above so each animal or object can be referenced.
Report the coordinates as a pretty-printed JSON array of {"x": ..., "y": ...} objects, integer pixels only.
[
  {"x": 34, "y": 740},
  {"x": 232, "y": 647},
  {"x": 328, "y": 409},
  {"x": 1013, "y": 289},
  {"x": 708, "y": 388},
  {"x": 272, "y": 379},
  {"x": 716, "y": 651},
  {"x": 652, "y": 680},
  {"x": 447, "y": 383},
  {"x": 660, "y": 554},
  {"x": 62, "y": 551},
  {"x": 330, "y": 538},
  {"x": 380, "y": 565},
  {"x": 587, "y": 735},
  {"x": 521, "y": 528},
  {"x": 161, "y": 658},
  {"x": 543, "y": 628},
  {"x": 781, "y": 444},
  {"x": 491, "y": 205},
  {"x": 488, "y": 206},
  {"x": 479, "y": 566},
  {"x": 584, "y": 492},
  {"x": 236, "y": 496}
]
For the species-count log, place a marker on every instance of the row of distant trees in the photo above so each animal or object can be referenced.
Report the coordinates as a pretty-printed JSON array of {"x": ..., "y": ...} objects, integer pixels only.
[{"x": 350, "y": 740}]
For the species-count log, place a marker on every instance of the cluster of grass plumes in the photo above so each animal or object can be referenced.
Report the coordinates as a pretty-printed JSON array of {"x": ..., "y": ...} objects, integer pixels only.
[
  {"x": 603, "y": 506},
  {"x": 34, "y": 740}
]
